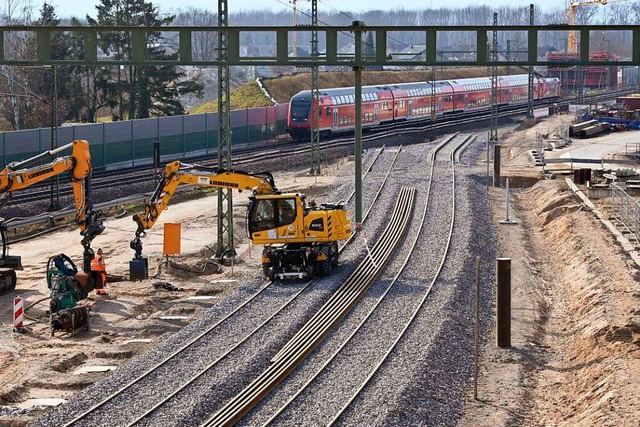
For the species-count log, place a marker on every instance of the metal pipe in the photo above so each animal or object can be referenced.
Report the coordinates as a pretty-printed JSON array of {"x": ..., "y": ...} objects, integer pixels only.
[
  {"x": 496, "y": 165},
  {"x": 34, "y": 159},
  {"x": 506, "y": 200},
  {"x": 503, "y": 303}
]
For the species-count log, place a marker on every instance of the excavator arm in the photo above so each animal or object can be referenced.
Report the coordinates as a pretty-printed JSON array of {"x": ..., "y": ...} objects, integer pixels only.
[
  {"x": 176, "y": 173},
  {"x": 17, "y": 176}
]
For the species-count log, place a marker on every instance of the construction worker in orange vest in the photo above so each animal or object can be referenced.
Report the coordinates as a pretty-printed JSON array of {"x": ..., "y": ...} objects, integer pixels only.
[{"x": 98, "y": 264}]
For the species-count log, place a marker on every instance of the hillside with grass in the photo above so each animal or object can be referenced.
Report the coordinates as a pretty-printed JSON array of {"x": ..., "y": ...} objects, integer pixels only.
[{"x": 247, "y": 95}]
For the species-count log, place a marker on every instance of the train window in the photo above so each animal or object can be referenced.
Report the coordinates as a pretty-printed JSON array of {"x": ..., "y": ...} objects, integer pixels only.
[
  {"x": 300, "y": 110},
  {"x": 384, "y": 105},
  {"x": 328, "y": 111}
]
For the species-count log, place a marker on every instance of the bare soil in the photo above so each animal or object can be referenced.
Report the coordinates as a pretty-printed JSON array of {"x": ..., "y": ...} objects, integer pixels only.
[
  {"x": 575, "y": 353},
  {"x": 129, "y": 320}
]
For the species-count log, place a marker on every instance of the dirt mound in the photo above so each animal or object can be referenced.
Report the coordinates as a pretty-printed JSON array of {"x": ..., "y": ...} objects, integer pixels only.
[{"x": 592, "y": 375}]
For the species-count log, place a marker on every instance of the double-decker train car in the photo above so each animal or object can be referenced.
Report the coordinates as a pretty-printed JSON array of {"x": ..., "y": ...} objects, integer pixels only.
[{"x": 409, "y": 101}]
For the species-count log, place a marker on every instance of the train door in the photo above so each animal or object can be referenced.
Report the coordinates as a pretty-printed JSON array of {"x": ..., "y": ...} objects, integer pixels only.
[
  {"x": 335, "y": 118},
  {"x": 410, "y": 108},
  {"x": 375, "y": 113}
]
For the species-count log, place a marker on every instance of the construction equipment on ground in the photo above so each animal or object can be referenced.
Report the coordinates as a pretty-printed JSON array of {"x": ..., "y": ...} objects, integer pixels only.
[
  {"x": 67, "y": 287},
  {"x": 300, "y": 239},
  {"x": 20, "y": 175}
]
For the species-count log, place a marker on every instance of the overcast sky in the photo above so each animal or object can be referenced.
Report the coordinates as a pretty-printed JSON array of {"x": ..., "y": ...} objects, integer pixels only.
[{"x": 67, "y": 8}]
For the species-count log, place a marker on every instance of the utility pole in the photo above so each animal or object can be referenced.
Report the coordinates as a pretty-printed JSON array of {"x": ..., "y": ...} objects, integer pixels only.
[
  {"x": 225, "y": 202},
  {"x": 315, "y": 94},
  {"x": 508, "y": 56},
  {"x": 54, "y": 204},
  {"x": 294, "y": 39},
  {"x": 494, "y": 84},
  {"x": 530, "y": 95},
  {"x": 357, "y": 28},
  {"x": 433, "y": 100}
]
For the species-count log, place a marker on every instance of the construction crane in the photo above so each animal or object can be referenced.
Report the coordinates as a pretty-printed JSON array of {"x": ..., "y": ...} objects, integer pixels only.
[{"x": 572, "y": 41}]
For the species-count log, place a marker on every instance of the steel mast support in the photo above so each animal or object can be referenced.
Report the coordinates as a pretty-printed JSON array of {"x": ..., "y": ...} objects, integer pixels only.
[
  {"x": 494, "y": 83},
  {"x": 530, "y": 96},
  {"x": 225, "y": 203},
  {"x": 433, "y": 101},
  {"x": 315, "y": 94},
  {"x": 357, "y": 70}
]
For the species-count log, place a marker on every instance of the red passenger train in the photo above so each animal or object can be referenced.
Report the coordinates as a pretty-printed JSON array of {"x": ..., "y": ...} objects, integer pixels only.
[{"x": 409, "y": 101}]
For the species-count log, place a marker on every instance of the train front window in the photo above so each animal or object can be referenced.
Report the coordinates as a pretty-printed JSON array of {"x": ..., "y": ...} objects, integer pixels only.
[{"x": 300, "y": 110}]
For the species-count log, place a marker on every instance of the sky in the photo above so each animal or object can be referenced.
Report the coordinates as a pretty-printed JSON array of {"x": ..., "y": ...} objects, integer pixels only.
[{"x": 67, "y": 8}]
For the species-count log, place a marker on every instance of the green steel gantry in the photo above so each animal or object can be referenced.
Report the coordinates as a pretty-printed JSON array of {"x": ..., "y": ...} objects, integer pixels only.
[
  {"x": 229, "y": 55},
  {"x": 382, "y": 57}
]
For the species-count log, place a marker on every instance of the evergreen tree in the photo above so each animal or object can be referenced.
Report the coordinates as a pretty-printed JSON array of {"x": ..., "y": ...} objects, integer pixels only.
[
  {"x": 64, "y": 75},
  {"x": 140, "y": 91}
]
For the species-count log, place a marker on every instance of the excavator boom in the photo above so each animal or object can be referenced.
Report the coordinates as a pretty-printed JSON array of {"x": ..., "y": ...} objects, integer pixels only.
[
  {"x": 17, "y": 176},
  {"x": 296, "y": 236}
]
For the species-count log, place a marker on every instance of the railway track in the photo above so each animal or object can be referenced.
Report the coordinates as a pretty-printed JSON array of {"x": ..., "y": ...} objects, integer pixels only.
[
  {"x": 290, "y": 355},
  {"x": 259, "y": 302},
  {"x": 144, "y": 174},
  {"x": 318, "y": 327},
  {"x": 351, "y": 353}
]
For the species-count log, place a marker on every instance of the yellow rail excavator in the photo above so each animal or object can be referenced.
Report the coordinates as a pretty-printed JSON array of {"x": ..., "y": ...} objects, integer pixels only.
[
  {"x": 300, "y": 239},
  {"x": 20, "y": 175}
]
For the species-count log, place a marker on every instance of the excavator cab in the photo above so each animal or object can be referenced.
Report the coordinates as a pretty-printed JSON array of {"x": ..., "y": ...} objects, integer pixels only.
[
  {"x": 300, "y": 240},
  {"x": 272, "y": 212},
  {"x": 8, "y": 263}
]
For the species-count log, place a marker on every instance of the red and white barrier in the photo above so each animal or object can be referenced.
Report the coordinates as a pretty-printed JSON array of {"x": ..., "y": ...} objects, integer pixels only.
[{"x": 18, "y": 314}]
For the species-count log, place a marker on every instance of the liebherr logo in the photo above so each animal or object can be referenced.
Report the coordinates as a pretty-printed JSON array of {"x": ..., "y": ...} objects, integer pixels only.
[
  {"x": 40, "y": 173},
  {"x": 223, "y": 184}
]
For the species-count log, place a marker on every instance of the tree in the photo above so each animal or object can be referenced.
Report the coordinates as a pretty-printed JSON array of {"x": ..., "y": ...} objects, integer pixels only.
[{"x": 140, "y": 90}]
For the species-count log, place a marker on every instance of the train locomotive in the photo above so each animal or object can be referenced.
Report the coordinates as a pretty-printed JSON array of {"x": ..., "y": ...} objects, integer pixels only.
[{"x": 409, "y": 101}]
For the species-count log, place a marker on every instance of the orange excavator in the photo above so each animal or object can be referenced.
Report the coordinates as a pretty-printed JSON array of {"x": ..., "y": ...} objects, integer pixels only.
[{"x": 17, "y": 176}]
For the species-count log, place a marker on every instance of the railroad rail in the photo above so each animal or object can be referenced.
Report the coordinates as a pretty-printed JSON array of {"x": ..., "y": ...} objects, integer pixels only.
[
  {"x": 445, "y": 153},
  {"x": 134, "y": 175},
  {"x": 313, "y": 332},
  {"x": 137, "y": 385}
]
